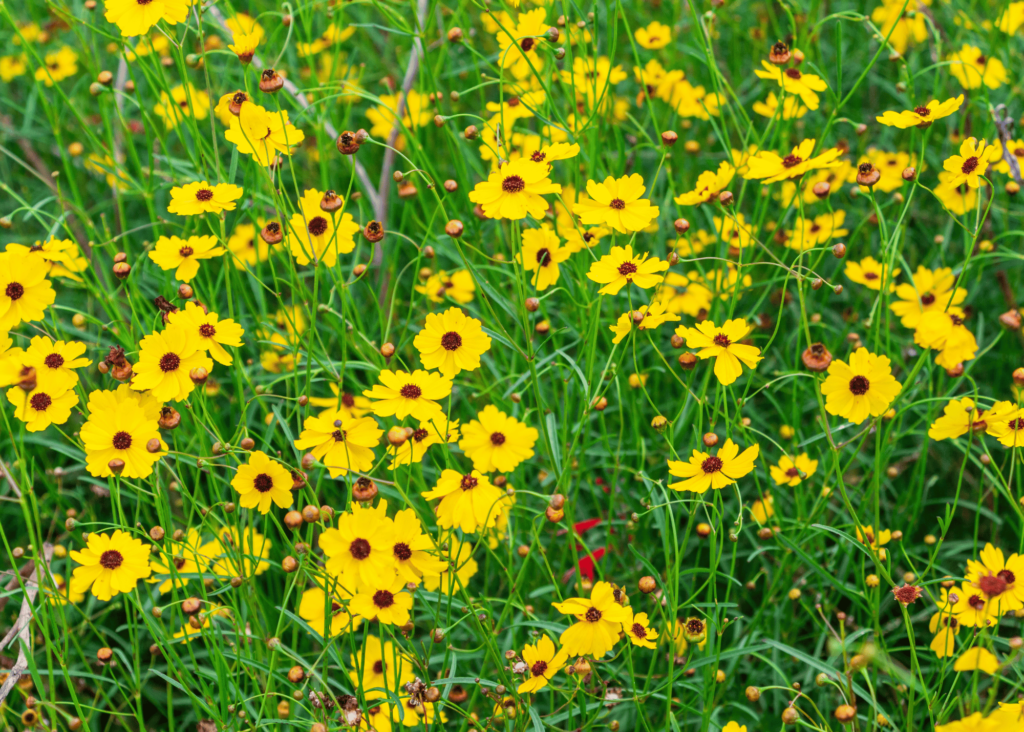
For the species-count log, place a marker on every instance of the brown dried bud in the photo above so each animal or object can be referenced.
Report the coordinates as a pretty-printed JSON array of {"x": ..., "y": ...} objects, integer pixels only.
[
  {"x": 816, "y": 283},
  {"x": 779, "y": 54},
  {"x": 237, "y": 100},
  {"x": 955, "y": 371},
  {"x": 116, "y": 466},
  {"x": 839, "y": 250},
  {"x": 1018, "y": 376},
  {"x": 293, "y": 520},
  {"x": 271, "y": 82},
  {"x": 790, "y": 715},
  {"x": 247, "y": 443},
  {"x": 185, "y": 291},
  {"x": 648, "y": 584},
  {"x": 867, "y": 175},
  {"x": 669, "y": 138},
  {"x": 358, "y": 270},
  {"x": 387, "y": 350},
  {"x": 122, "y": 270},
  {"x": 454, "y": 228},
  {"x": 1010, "y": 319},
  {"x": 753, "y": 694},
  {"x": 308, "y": 461},
  {"x": 710, "y": 439},
  {"x": 600, "y": 403},
  {"x": 407, "y": 190},
  {"x": 347, "y": 143},
  {"x": 822, "y": 188},
  {"x": 311, "y": 514},
  {"x": 554, "y": 515},
  {"x": 169, "y": 418},
  {"x": 104, "y": 655},
  {"x": 199, "y": 375},
  {"x": 455, "y": 35},
  {"x": 153, "y": 445},
  {"x": 271, "y": 233},
  {"x": 105, "y": 78},
  {"x": 470, "y": 132},
  {"x": 373, "y": 232},
  {"x": 438, "y": 120},
  {"x": 156, "y": 533},
  {"x": 331, "y": 202},
  {"x": 364, "y": 490},
  {"x": 845, "y": 713},
  {"x": 532, "y": 304},
  {"x": 725, "y": 198},
  {"x": 909, "y": 174},
  {"x": 687, "y": 360},
  {"x": 428, "y": 252},
  {"x": 816, "y": 357},
  {"x": 556, "y": 501},
  {"x": 289, "y": 564},
  {"x": 296, "y": 674},
  {"x": 397, "y": 436}
]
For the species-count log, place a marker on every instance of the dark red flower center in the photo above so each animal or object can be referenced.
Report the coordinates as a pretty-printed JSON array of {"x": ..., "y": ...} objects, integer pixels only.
[
  {"x": 420, "y": 435},
  {"x": 411, "y": 391},
  {"x": 722, "y": 340},
  {"x": 992, "y": 585},
  {"x": 451, "y": 341},
  {"x": 927, "y": 298},
  {"x": 711, "y": 464},
  {"x": 186, "y": 251},
  {"x": 538, "y": 157},
  {"x": 54, "y": 360},
  {"x": 122, "y": 440},
  {"x": 468, "y": 482},
  {"x": 111, "y": 559},
  {"x": 317, "y": 225},
  {"x": 543, "y": 257},
  {"x": 207, "y": 331},
  {"x": 695, "y": 626},
  {"x": 859, "y": 385},
  {"x": 383, "y": 599},
  {"x": 977, "y": 602},
  {"x": 348, "y": 400},
  {"x": 1007, "y": 576},
  {"x": 922, "y": 111},
  {"x": 40, "y": 401},
  {"x": 204, "y": 194},
  {"x": 793, "y": 73},
  {"x": 639, "y": 631},
  {"x": 527, "y": 43},
  {"x": 970, "y": 165},
  {"x": 793, "y": 472},
  {"x": 359, "y": 548},
  {"x": 627, "y": 268},
  {"x": 497, "y": 439},
  {"x": 539, "y": 668},
  {"x": 593, "y": 615},
  {"x": 618, "y": 204},
  {"x": 263, "y": 482},
  {"x": 791, "y": 160},
  {"x": 169, "y": 362},
  {"x": 402, "y": 551},
  {"x": 513, "y": 184},
  {"x": 15, "y": 290},
  {"x": 339, "y": 435}
]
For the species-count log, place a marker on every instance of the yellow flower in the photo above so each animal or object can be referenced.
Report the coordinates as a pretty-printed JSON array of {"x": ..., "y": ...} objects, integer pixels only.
[
  {"x": 514, "y": 190},
  {"x": 213, "y": 332},
  {"x": 704, "y": 471},
  {"x": 977, "y": 659},
  {"x": 763, "y": 509},
  {"x": 1012, "y": 19},
  {"x": 188, "y": 556},
  {"x": 263, "y": 134},
  {"x": 971, "y": 163},
  {"x": 413, "y": 550},
  {"x": 315, "y": 234},
  {"x": 541, "y": 254},
  {"x": 959, "y": 199},
  {"x": 340, "y": 441},
  {"x": 327, "y": 617},
  {"x": 452, "y": 342},
  {"x": 244, "y": 46},
  {"x": 794, "y": 81},
  {"x": 791, "y": 107},
  {"x": 110, "y": 564},
  {"x": 619, "y": 268},
  {"x": 183, "y": 256},
  {"x": 25, "y": 293},
  {"x": 946, "y": 332},
  {"x": 639, "y": 632},
  {"x": 243, "y": 24},
  {"x": 520, "y": 46},
  {"x": 378, "y": 667},
  {"x": 41, "y": 407},
  {"x": 958, "y": 418},
  {"x": 165, "y": 362},
  {"x": 770, "y": 167},
  {"x": 468, "y": 502},
  {"x": 722, "y": 344},
  {"x": 592, "y": 78},
  {"x": 655, "y": 35},
  {"x": 401, "y": 394},
  {"x": 120, "y": 429},
  {"x": 459, "y": 287},
  {"x": 875, "y": 541},
  {"x": 792, "y": 472},
  {"x": 11, "y": 67},
  {"x": 900, "y": 26},
  {"x": 921, "y": 116},
  {"x": 734, "y": 727},
  {"x": 135, "y": 19},
  {"x": 201, "y": 197},
  {"x": 183, "y": 102},
  {"x": 460, "y": 558},
  {"x": 931, "y": 290},
  {"x": 864, "y": 387},
  {"x": 944, "y": 625},
  {"x": 495, "y": 441},
  {"x": 62, "y": 256},
  {"x": 1000, "y": 578},
  {"x": 810, "y": 233},
  {"x": 889, "y": 164},
  {"x": 709, "y": 184},
  {"x": 61, "y": 592},
  {"x": 55, "y": 363},
  {"x": 972, "y": 68},
  {"x": 345, "y": 404},
  {"x": 599, "y": 621},
  {"x": 382, "y": 599},
  {"x": 359, "y": 550},
  {"x": 555, "y": 151},
  {"x": 870, "y": 273},
  {"x": 618, "y": 204},
  {"x": 544, "y": 662},
  {"x": 263, "y": 482},
  {"x": 972, "y": 607},
  {"x": 58, "y": 66}
]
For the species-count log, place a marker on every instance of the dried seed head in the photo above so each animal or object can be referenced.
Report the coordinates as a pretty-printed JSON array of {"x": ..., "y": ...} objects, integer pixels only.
[
  {"x": 688, "y": 361},
  {"x": 647, "y": 584},
  {"x": 669, "y": 138},
  {"x": 867, "y": 175},
  {"x": 839, "y": 250},
  {"x": 470, "y": 132},
  {"x": 816, "y": 357},
  {"x": 331, "y": 202},
  {"x": 455, "y": 35},
  {"x": 271, "y": 82},
  {"x": 347, "y": 143},
  {"x": 779, "y": 54},
  {"x": 373, "y": 232},
  {"x": 271, "y": 233}
]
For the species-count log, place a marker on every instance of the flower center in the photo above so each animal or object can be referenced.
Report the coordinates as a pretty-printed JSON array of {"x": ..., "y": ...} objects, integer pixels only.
[
  {"x": 451, "y": 341},
  {"x": 538, "y": 157},
  {"x": 40, "y": 402},
  {"x": 593, "y": 615},
  {"x": 618, "y": 204},
  {"x": 204, "y": 194},
  {"x": 359, "y": 548},
  {"x": 527, "y": 43},
  {"x": 859, "y": 385},
  {"x": 539, "y": 668},
  {"x": 15, "y": 290},
  {"x": 263, "y": 482},
  {"x": 977, "y": 602},
  {"x": 420, "y": 435},
  {"x": 544, "y": 257},
  {"x": 122, "y": 441},
  {"x": 992, "y": 585},
  {"x": 695, "y": 626},
  {"x": 186, "y": 251},
  {"x": 1016, "y": 424},
  {"x": 54, "y": 361},
  {"x": 790, "y": 160},
  {"x": 207, "y": 331},
  {"x": 871, "y": 275},
  {"x": 793, "y": 472},
  {"x": 722, "y": 340},
  {"x": 338, "y": 435},
  {"x": 111, "y": 559},
  {"x": 383, "y": 599},
  {"x": 378, "y": 667},
  {"x": 970, "y": 165},
  {"x": 627, "y": 268},
  {"x": 317, "y": 225},
  {"x": 411, "y": 391},
  {"x": 793, "y": 73},
  {"x": 402, "y": 551},
  {"x": 711, "y": 464},
  {"x": 497, "y": 439},
  {"x": 468, "y": 482},
  {"x": 639, "y": 631},
  {"x": 927, "y": 298},
  {"x": 348, "y": 400},
  {"x": 513, "y": 184},
  {"x": 169, "y": 362}
]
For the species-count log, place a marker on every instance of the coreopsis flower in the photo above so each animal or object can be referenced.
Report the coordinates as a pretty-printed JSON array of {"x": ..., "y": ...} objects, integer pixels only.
[
  {"x": 188, "y": 556},
  {"x": 1001, "y": 579},
  {"x": 734, "y": 727},
  {"x": 247, "y": 247},
  {"x": 184, "y": 255},
  {"x": 401, "y": 394},
  {"x": 383, "y": 600},
  {"x": 244, "y": 46},
  {"x": 63, "y": 257},
  {"x": 639, "y": 632},
  {"x": 201, "y": 197},
  {"x": 263, "y": 482},
  {"x": 958, "y": 199},
  {"x": 359, "y": 550},
  {"x": 1005, "y": 422},
  {"x": 971, "y": 163},
  {"x": 972, "y": 607},
  {"x": 42, "y": 406},
  {"x": 763, "y": 508},
  {"x": 436, "y": 431},
  {"x": 1013, "y": 149},
  {"x": 184, "y": 102},
  {"x": 55, "y": 362},
  {"x": 469, "y": 502},
  {"x": 795, "y": 82},
  {"x": 61, "y": 592},
  {"x": 11, "y": 67},
  {"x": 1012, "y": 19},
  {"x": 770, "y": 167},
  {"x": 592, "y": 78},
  {"x": 344, "y": 403},
  {"x": 870, "y": 273},
  {"x": 875, "y": 540},
  {"x": 618, "y": 204},
  {"x": 959, "y": 417},
  {"x": 944, "y": 625},
  {"x": 459, "y": 286},
  {"x": 213, "y": 333},
  {"x": 316, "y": 235},
  {"x": 864, "y": 387},
  {"x": 921, "y": 116},
  {"x": 243, "y": 23},
  {"x": 340, "y": 441},
  {"x": 544, "y": 662},
  {"x": 704, "y": 470},
  {"x": 889, "y": 165},
  {"x": 977, "y": 659},
  {"x": 620, "y": 267},
  {"x": 413, "y": 550},
  {"x": 514, "y": 190},
  {"x": 598, "y": 622},
  {"x": 379, "y": 667},
  {"x": 496, "y": 441},
  {"x": 520, "y": 46},
  {"x": 327, "y": 616},
  {"x": 165, "y": 362},
  {"x": 709, "y": 184},
  {"x": 451, "y": 342},
  {"x": 119, "y": 429},
  {"x": 653, "y": 315},
  {"x": 972, "y": 68},
  {"x": 900, "y": 27},
  {"x": 136, "y": 19},
  {"x": 240, "y": 554},
  {"x": 946, "y": 333},
  {"x": 722, "y": 343},
  {"x": 462, "y": 568},
  {"x": 25, "y": 293},
  {"x": 58, "y": 66},
  {"x": 930, "y": 291},
  {"x": 541, "y": 254},
  {"x": 684, "y": 294},
  {"x": 791, "y": 107},
  {"x": 809, "y": 233},
  {"x": 554, "y": 152},
  {"x": 263, "y": 134},
  {"x": 791, "y": 471},
  {"x": 656, "y": 35},
  {"x": 110, "y": 564}
]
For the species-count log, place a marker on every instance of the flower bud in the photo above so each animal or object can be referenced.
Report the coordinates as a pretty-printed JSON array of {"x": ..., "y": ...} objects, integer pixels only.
[{"x": 454, "y": 228}]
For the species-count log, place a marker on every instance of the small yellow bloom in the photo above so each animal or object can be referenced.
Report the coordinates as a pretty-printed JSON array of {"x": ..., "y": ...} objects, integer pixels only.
[
  {"x": 870, "y": 273},
  {"x": 921, "y": 116},
  {"x": 704, "y": 471},
  {"x": 656, "y": 35},
  {"x": 971, "y": 163}
]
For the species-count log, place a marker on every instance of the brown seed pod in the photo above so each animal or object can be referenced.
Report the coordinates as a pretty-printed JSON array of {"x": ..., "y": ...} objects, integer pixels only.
[
  {"x": 725, "y": 198},
  {"x": 554, "y": 515},
  {"x": 753, "y": 694},
  {"x": 682, "y": 226},
  {"x": 532, "y": 304},
  {"x": 364, "y": 490},
  {"x": 293, "y": 520},
  {"x": 347, "y": 143},
  {"x": 289, "y": 564},
  {"x": 845, "y": 713},
  {"x": 153, "y": 446},
  {"x": 454, "y": 228},
  {"x": 451, "y": 186},
  {"x": 331, "y": 202},
  {"x": 116, "y": 466},
  {"x": 169, "y": 418},
  {"x": 816, "y": 357},
  {"x": 669, "y": 138},
  {"x": 688, "y": 361},
  {"x": 909, "y": 174},
  {"x": 247, "y": 443},
  {"x": 122, "y": 270},
  {"x": 822, "y": 188},
  {"x": 199, "y": 375},
  {"x": 648, "y": 584},
  {"x": 779, "y": 54},
  {"x": 237, "y": 100},
  {"x": 373, "y": 232},
  {"x": 296, "y": 674},
  {"x": 271, "y": 233},
  {"x": 867, "y": 175},
  {"x": 710, "y": 439},
  {"x": 271, "y": 82},
  {"x": 455, "y": 35},
  {"x": 1011, "y": 319}
]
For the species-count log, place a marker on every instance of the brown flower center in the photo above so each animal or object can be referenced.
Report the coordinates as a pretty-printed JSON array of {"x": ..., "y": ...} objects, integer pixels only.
[
  {"x": 618, "y": 204},
  {"x": 402, "y": 551},
  {"x": 170, "y": 362},
  {"x": 922, "y": 111},
  {"x": 348, "y": 400},
  {"x": 791, "y": 160},
  {"x": 538, "y": 157},
  {"x": 378, "y": 667},
  {"x": 420, "y": 435},
  {"x": 793, "y": 472},
  {"x": 411, "y": 391},
  {"x": 927, "y": 298},
  {"x": 40, "y": 402},
  {"x": 317, "y": 225},
  {"x": 871, "y": 275},
  {"x": 383, "y": 599},
  {"x": 593, "y": 615},
  {"x": 513, "y": 184},
  {"x": 451, "y": 341},
  {"x": 54, "y": 361},
  {"x": 695, "y": 626},
  {"x": 977, "y": 602},
  {"x": 639, "y": 631},
  {"x": 204, "y": 194},
  {"x": 207, "y": 331},
  {"x": 359, "y": 548},
  {"x": 539, "y": 668},
  {"x": 15, "y": 290},
  {"x": 338, "y": 435},
  {"x": 859, "y": 385},
  {"x": 793, "y": 73},
  {"x": 497, "y": 439},
  {"x": 111, "y": 559},
  {"x": 122, "y": 440},
  {"x": 1008, "y": 577},
  {"x": 527, "y": 43},
  {"x": 992, "y": 585},
  {"x": 711, "y": 464},
  {"x": 627, "y": 268},
  {"x": 722, "y": 340},
  {"x": 186, "y": 251},
  {"x": 1016, "y": 424},
  {"x": 544, "y": 257},
  {"x": 970, "y": 165},
  {"x": 263, "y": 482},
  {"x": 468, "y": 482}
]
